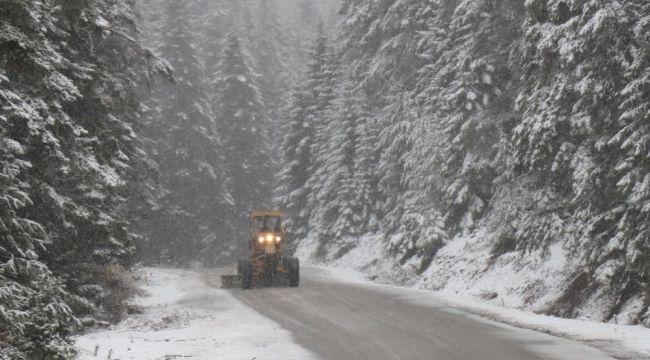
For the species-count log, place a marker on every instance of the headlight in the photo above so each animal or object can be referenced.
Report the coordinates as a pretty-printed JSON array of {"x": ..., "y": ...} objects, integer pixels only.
[
  {"x": 278, "y": 239},
  {"x": 269, "y": 238},
  {"x": 261, "y": 239}
]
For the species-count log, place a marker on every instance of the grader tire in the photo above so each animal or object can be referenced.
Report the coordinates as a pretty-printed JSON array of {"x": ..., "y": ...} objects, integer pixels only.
[
  {"x": 293, "y": 265},
  {"x": 245, "y": 271}
]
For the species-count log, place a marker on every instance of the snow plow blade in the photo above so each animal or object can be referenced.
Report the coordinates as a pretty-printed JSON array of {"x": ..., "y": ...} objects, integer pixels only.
[{"x": 230, "y": 281}]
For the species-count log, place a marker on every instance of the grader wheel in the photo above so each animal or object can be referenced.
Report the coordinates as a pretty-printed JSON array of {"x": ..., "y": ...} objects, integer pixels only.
[{"x": 245, "y": 272}]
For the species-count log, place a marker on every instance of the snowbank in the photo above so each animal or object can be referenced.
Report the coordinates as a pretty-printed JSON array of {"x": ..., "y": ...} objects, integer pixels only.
[{"x": 187, "y": 318}]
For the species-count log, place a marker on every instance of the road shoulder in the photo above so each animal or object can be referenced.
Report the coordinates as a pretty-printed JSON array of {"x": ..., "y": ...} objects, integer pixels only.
[{"x": 184, "y": 317}]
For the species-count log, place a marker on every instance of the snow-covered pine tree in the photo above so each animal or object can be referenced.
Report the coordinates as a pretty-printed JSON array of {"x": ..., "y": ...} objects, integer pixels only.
[
  {"x": 79, "y": 137},
  {"x": 383, "y": 42},
  {"x": 290, "y": 193},
  {"x": 35, "y": 320},
  {"x": 298, "y": 146},
  {"x": 378, "y": 41},
  {"x": 425, "y": 158},
  {"x": 469, "y": 96},
  {"x": 571, "y": 77},
  {"x": 93, "y": 253},
  {"x": 557, "y": 107},
  {"x": 217, "y": 17},
  {"x": 418, "y": 236},
  {"x": 575, "y": 58},
  {"x": 395, "y": 122},
  {"x": 308, "y": 16},
  {"x": 68, "y": 110},
  {"x": 270, "y": 49},
  {"x": 365, "y": 175},
  {"x": 245, "y": 131},
  {"x": 414, "y": 230},
  {"x": 336, "y": 220},
  {"x": 194, "y": 204},
  {"x": 632, "y": 168},
  {"x": 242, "y": 18},
  {"x": 321, "y": 86},
  {"x": 297, "y": 33},
  {"x": 310, "y": 104}
]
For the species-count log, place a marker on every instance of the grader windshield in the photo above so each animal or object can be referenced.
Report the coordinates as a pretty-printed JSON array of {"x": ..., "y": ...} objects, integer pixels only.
[
  {"x": 266, "y": 229},
  {"x": 267, "y": 224}
]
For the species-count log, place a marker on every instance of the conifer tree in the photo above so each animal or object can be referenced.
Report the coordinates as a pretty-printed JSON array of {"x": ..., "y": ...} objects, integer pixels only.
[
  {"x": 194, "y": 203},
  {"x": 26, "y": 332},
  {"x": 80, "y": 139},
  {"x": 269, "y": 48},
  {"x": 379, "y": 41},
  {"x": 93, "y": 243},
  {"x": 631, "y": 171},
  {"x": 471, "y": 97},
  {"x": 321, "y": 86},
  {"x": 569, "y": 106},
  {"x": 304, "y": 146},
  {"x": 35, "y": 320},
  {"x": 306, "y": 32},
  {"x": 68, "y": 115},
  {"x": 365, "y": 176},
  {"x": 217, "y": 17},
  {"x": 335, "y": 218},
  {"x": 245, "y": 130},
  {"x": 394, "y": 122},
  {"x": 571, "y": 138},
  {"x": 291, "y": 194}
]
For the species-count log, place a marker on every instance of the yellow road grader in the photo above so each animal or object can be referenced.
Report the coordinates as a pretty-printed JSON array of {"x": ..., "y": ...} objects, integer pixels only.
[{"x": 266, "y": 264}]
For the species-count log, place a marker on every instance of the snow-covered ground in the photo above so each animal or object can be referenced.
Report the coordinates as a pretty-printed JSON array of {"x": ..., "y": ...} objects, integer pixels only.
[
  {"x": 463, "y": 283},
  {"x": 186, "y": 318}
]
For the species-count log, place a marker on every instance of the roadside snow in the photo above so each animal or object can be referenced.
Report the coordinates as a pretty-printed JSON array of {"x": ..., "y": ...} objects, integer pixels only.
[
  {"x": 460, "y": 278},
  {"x": 187, "y": 318},
  {"x": 338, "y": 274},
  {"x": 619, "y": 341}
]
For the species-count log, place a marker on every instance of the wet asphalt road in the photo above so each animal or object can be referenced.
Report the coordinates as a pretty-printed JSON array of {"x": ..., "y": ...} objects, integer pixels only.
[{"x": 346, "y": 321}]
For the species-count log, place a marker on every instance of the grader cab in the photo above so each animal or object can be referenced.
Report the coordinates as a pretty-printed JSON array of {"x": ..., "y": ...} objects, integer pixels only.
[{"x": 266, "y": 264}]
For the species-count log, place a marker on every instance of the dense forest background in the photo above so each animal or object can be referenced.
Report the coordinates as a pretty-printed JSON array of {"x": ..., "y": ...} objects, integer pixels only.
[
  {"x": 215, "y": 135},
  {"x": 392, "y": 130},
  {"x": 480, "y": 145}
]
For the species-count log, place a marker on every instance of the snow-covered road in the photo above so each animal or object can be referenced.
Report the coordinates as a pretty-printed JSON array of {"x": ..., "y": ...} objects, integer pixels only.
[{"x": 330, "y": 316}]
